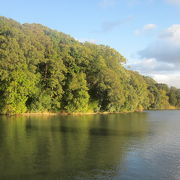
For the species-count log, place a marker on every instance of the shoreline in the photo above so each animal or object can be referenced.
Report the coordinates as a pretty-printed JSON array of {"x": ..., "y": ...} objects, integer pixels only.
[
  {"x": 67, "y": 114},
  {"x": 81, "y": 113}
]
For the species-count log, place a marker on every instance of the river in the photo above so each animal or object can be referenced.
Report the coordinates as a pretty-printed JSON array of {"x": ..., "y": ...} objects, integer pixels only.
[{"x": 133, "y": 146}]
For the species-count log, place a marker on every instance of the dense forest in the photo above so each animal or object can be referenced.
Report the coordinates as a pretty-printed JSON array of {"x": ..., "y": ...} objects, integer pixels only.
[{"x": 42, "y": 70}]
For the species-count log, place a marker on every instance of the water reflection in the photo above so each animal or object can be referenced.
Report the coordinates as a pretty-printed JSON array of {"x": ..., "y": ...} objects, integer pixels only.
[{"x": 68, "y": 147}]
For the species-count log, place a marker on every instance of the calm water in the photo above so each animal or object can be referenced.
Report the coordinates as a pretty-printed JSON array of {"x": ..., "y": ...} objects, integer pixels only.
[{"x": 135, "y": 146}]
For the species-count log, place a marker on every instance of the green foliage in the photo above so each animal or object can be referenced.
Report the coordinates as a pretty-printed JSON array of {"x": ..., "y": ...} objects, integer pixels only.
[
  {"x": 15, "y": 90},
  {"x": 40, "y": 103},
  {"x": 174, "y": 96},
  {"x": 76, "y": 96},
  {"x": 45, "y": 70},
  {"x": 137, "y": 93}
]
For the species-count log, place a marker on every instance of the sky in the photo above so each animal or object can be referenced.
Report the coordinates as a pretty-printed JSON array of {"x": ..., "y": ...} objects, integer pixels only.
[{"x": 146, "y": 32}]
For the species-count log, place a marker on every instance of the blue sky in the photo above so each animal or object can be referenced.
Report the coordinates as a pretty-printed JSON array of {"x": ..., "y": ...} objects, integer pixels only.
[{"x": 146, "y": 32}]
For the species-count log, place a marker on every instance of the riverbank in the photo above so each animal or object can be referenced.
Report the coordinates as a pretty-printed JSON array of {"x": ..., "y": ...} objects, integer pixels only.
[
  {"x": 67, "y": 114},
  {"x": 87, "y": 113}
]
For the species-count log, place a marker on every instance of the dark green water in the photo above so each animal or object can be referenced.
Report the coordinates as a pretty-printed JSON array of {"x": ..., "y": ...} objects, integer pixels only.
[{"x": 135, "y": 146}]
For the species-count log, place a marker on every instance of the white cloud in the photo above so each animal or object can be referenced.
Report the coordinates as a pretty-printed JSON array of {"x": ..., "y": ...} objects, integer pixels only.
[
  {"x": 145, "y": 28},
  {"x": 82, "y": 40},
  {"x": 150, "y": 66},
  {"x": 176, "y": 2},
  {"x": 166, "y": 48},
  {"x": 162, "y": 72},
  {"x": 133, "y": 2},
  {"x": 172, "y": 34},
  {"x": 170, "y": 79},
  {"x": 161, "y": 59},
  {"x": 113, "y": 3},
  {"x": 107, "y": 3},
  {"x": 149, "y": 27},
  {"x": 108, "y": 26}
]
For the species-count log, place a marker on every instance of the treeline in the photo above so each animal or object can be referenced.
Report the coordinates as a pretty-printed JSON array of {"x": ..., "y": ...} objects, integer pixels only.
[{"x": 45, "y": 70}]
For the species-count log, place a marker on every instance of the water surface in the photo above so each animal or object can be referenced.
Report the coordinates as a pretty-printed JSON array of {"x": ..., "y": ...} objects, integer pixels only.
[{"x": 130, "y": 146}]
